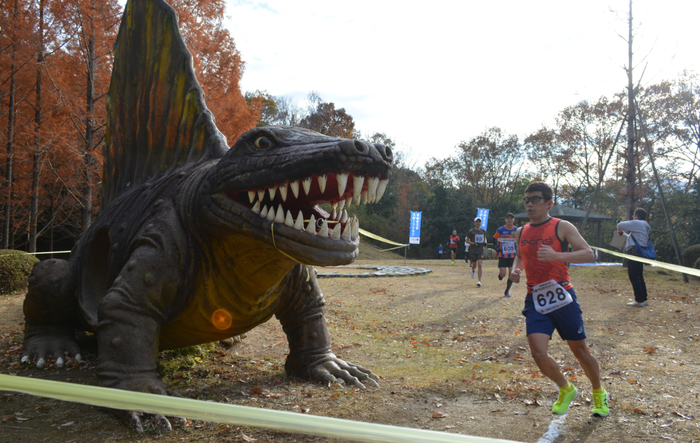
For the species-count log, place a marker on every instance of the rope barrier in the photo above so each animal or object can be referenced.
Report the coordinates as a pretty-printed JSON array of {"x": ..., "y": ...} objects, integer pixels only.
[
  {"x": 669, "y": 266},
  {"x": 231, "y": 414},
  {"x": 384, "y": 240}
]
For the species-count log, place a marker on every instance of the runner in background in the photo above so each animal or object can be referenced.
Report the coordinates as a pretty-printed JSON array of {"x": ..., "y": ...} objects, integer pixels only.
[
  {"x": 476, "y": 238},
  {"x": 454, "y": 242},
  {"x": 506, "y": 247},
  {"x": 551, "y": 301},
  {"x": 466, "y": 250}
]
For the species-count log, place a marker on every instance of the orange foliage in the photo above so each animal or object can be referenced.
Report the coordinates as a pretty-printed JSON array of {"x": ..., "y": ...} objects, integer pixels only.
[{"x": 218, "y": 65}]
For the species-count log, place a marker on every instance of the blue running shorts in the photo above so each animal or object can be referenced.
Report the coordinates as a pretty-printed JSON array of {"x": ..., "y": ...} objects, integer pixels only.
[{"x": 568, "y": 321}]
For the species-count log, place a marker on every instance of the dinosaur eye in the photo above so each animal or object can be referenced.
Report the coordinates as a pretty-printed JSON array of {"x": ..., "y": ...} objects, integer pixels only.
[{"x": 262, "y": 143}]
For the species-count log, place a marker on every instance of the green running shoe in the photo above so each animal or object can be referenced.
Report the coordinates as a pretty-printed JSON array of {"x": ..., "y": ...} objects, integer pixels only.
[
  {"x": 600, "y": 404},
  {"x": 561, "y": 406}
]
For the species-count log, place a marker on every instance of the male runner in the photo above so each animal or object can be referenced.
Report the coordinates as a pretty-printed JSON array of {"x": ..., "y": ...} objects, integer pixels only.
[
  {"x": 476, "y": 237},
  {"x": 454, "y": 242},
  {"x": 551, "y": 301},
  {"x": 505, "y": 245}
]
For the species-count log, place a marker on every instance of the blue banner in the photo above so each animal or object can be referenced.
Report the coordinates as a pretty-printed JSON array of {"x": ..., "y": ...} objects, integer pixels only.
[
  {"x": 483, "y": 214},
  {"x": 414, "y": 235}
]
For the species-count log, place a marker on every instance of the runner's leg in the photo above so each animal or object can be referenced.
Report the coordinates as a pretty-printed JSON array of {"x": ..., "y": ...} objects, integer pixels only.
[
  {"x": 549, "y": 367},
  {"x": 586, "y": 360}
]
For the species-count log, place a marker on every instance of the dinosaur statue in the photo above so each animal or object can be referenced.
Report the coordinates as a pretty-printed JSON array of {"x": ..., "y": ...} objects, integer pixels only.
[{"x": 196, "y": 241}]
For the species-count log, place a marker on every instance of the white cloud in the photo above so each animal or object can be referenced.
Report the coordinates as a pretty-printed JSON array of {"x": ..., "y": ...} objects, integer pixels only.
[{"x": 432, "y": 74}]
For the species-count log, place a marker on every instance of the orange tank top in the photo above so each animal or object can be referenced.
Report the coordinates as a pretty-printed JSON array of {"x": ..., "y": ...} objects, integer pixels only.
[{"x": 532, "y": 237}]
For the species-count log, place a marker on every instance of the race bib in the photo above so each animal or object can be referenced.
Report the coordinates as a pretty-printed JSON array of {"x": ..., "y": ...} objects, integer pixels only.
[
  {"x": 508, "y": 246},
  {"x": 478, "y": 238},
  {"x": 550, "y": 296}
]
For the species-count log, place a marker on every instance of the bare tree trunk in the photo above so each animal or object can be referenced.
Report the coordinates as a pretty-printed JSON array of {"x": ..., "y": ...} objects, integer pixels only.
[
  {"x": 89, "y": 129},
  {"x": 630, "y": 200},
  {"x": 34, "y": 209},
  {"x": 51, "y": 199},
  {"x": 10, "y": 136}
]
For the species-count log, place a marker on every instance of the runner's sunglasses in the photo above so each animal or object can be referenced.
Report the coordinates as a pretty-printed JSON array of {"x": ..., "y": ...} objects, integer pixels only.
[{"x": 535, "y": 199}]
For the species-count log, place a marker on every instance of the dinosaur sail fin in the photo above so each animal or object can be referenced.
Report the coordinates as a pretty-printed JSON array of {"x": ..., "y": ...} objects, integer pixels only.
[{"x": 157, "y": 119}]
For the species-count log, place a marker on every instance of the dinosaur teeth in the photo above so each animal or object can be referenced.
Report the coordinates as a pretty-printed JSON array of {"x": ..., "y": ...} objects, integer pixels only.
[
  {"x": 256, "y": 208},
  {"x": 279, "y": 216},
  {"x": 365, "y": 197},
  {"x": 311, "y": 227},
  {"x": 335, "y": 234},
  {"x": 381, "y": 188},
  {"x": 342, "y": 183},
  {"x": 299, "y": 223},
  {"x": 357, "y": 183},
  {"x": 261, "y": 194},
  {"x": 307, "y": 185},
  {"x": 341, "y": 204},
  {"x": 271, "y": 214},
  {"x": 334, "y": 215},
  {"x": 272, "y": 191},
  {"x": 323, "y": 232},
  {"x": 251, "y": 197},
  {"x": 346, "y": 232},
  {"x": 263, "y": 213},
  {"x": 322, "y": 180},
  {"x": 288, "y": 221},
  {"x": 372, "y": 184},
  {"x": 348, "y": 201},
  {"x": 344, "y": 217},
  {"x": 295, "y": 188},
  {"x": 283, "y": 192}
]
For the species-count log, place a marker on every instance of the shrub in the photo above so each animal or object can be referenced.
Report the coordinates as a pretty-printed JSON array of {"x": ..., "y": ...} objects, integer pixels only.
[
  {"x": 15, "y": 267},
  {"x": 690, "y": 255}
]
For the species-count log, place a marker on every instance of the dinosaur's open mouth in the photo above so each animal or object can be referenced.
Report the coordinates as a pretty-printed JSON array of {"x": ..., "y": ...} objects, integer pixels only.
[{"x": 295, "y": 203}]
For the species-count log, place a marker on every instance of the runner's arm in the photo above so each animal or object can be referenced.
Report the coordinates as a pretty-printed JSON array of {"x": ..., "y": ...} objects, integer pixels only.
[
  {"x": 569, "y": 234},
  {"x": 518, "y": 262}
]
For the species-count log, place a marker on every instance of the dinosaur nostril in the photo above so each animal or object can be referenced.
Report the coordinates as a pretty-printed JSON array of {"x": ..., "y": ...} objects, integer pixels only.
[
  {"x": 362, "y": 148},
  {"x": 388, "y": 154}
]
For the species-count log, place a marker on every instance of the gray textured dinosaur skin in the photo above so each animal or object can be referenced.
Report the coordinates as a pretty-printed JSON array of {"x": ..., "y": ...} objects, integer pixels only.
[{"x": 205, "y": 248}]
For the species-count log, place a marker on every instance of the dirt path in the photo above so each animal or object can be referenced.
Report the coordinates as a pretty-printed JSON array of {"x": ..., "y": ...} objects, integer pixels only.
[{"x": 453, "y": 358}]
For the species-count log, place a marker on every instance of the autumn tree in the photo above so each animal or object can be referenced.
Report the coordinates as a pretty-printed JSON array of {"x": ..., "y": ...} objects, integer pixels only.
[
  {"x": 85, "y": 62},
  {"x": 488, "y": 164},
  {"x": 218, "y": 65},
  {"x": 672, "y": 121},
  {"x": 327, "y": 120},
  {"x": 17, "y": 25},
  {"x": 267, "y": 105}
]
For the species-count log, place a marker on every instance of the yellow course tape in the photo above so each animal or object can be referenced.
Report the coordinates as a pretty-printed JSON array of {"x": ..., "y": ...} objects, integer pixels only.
[
  {"x": 231, "y": 414},
  {"x": 669, "y": 266},
  {"x": 382, "y": 239}
]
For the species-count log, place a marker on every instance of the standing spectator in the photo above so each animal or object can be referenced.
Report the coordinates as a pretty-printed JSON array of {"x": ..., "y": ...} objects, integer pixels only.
[
  {"x": 476, "y": 237},
  {"x": 454, "y": 241},
  {"x": 440, "y": 250},
  {"x": 639, "y": 230},
  {"x": 506, "y": 247}
]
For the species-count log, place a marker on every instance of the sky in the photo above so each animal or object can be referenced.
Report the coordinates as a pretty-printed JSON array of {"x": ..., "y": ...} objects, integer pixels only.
[{"x": 432, "y": 74}]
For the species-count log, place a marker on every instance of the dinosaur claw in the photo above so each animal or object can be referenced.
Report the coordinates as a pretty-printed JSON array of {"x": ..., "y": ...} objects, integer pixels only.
[
  {"x": 162, "y": 423},
  {"x": 25, "y": 359},
  {"x": 40, "y": 363},
  {"x": 59, "y": 362},
  {"x": 77, "y": 357}
]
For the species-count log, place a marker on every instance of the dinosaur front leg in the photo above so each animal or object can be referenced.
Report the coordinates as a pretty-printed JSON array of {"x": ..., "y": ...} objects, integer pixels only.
[
  {"x": 50, "y": 311},
  {"x": 129, "y": 323},
  {"x": 302, "y": 315}
]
